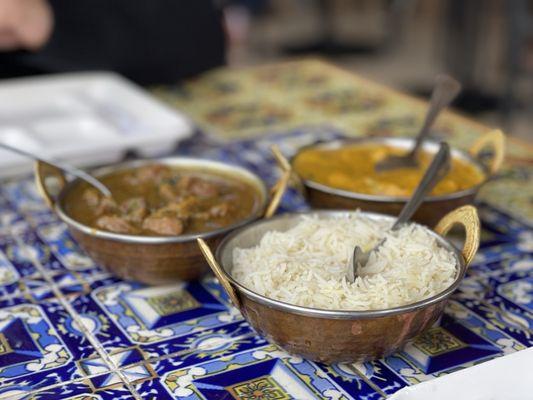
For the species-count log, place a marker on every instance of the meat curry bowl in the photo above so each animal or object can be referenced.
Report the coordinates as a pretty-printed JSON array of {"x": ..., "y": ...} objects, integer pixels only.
[
  {"x": 146, "y": 231},
  {"x": 287, "y": 275},
  {"x": 341, "y": 175}
]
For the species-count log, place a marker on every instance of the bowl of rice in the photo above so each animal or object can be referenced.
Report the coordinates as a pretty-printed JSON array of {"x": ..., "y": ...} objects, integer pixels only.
[{"x": 287, "y": 275}]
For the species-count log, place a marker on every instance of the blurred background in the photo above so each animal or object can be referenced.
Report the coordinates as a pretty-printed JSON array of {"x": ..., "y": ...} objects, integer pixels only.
[{"x": 485, "y": 44}]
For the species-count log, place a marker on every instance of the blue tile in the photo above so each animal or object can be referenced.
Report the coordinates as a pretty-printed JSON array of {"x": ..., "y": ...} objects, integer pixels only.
[
  {"x": 213, "y": 348},
  {"x": 70, "y": 330},
  {"x": 24, "y": 197},
  {"x": 81, "y": 391},
  {"x": 9, "y": 276},
  {"x": 98, "y": 323},
  {"x": 153, "y": 389},
  {"x": 56, "y": 236},
  {"x": 36, "y": 288},
  {"x": 498, "y": 253},
  {"x": 149, "y": 315},
  {"x": 117, "y": 327},
  {"x": 500, "y": 222},
  {"x": 34, "y": 350},
  {"x": 266, "y": 370},
  {"x": 505, "y": 301},
  {"x": 11, "y": 301},
  {"x": 129, "y": 360},
  {"x": 462, "y": 339},
  {"x": 98, "y": 278},
  {"x": 516, "y": 289},
  {"x": 500, "y": 266},
  {"x": 510, "y": 320},
  {"x": 11, "y": 223},
  {"x": 20, "y": 256},
  {"x": 349, "y": 376},
  {"x": 40, "y": 380},
  {"x": 446, "y": 346},
  {"x": 230, "y": 337}
]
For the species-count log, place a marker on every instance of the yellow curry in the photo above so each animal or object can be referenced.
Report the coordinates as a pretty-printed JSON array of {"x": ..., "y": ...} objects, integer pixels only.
[{"x": 352, "y": 168}]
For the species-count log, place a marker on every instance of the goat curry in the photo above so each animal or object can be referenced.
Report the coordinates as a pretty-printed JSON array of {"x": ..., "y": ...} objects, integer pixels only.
[
  {"x": 160, "y": 200},
  {"x": 352, "y": 168}
]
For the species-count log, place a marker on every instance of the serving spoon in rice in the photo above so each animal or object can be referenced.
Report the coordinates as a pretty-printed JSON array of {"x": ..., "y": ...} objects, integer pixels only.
[{"x": 438, "y": 168}]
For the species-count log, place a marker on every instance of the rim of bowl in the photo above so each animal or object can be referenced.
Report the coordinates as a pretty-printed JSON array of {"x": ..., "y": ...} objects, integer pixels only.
[
  {"x": 342, "y": 314},
  {"x": 429, "y": 144},
  {"x": 229, "y": 169}
]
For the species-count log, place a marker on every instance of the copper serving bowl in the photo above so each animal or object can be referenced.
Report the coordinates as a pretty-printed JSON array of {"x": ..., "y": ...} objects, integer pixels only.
[
  {"x": 434, "y": 207},
  {"x": 338, "y": 336},
  {"x": 151, "y": 259}
]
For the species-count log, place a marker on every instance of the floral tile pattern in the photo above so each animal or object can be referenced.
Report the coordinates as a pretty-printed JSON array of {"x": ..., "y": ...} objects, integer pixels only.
[
  {"x": 102, "y": 377},
  {"x": 29, "y": 342},
  {"x": 70, "y": 330},
  {"x": 57, "y": 238},
  {"x": 262, "y": 373},
  {"x": 36, "y": 349},
  {"x": 152, "y": 314},
  {"x": 81, "y": 391}
]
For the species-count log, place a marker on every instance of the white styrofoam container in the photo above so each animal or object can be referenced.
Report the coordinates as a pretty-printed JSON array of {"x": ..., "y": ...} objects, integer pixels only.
[
  {"x": 84, "y": 119},
  {"x": 505, "y": 378}
]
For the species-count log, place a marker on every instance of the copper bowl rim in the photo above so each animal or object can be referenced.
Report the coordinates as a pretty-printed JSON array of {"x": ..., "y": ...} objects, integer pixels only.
[
  {"x": 229, "y": 169},
  {"x": 430, "y": 145},
  {"x": 339, "y": 314}
]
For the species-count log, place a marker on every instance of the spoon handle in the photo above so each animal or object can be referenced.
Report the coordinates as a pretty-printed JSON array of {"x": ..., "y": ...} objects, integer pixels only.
[
  {"x": 445, "y": 90},
  {"x": 58, "y": 164},
  {"x": 437, "y": 169}
]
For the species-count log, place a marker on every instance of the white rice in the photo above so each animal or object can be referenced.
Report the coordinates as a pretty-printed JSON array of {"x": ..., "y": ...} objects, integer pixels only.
[{"x": 306, "y": 265}]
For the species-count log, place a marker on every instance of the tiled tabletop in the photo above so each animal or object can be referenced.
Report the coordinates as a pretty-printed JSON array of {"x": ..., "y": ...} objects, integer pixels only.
[{"x": 69, "y": 330}]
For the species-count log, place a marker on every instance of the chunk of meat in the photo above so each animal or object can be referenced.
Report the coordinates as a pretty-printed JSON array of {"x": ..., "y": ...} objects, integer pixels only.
[
  {"x": 106, "y": 206},
  {"x": 202, "y": 216},
  {"x": 182, "y": 208},
  {"x": 219, "y": 210},
  {"x": 166, "y": 191},
  {"x": 231, "y": 197},
  {"x": 114, "y": 223},
  {"x": 134, "y": 209},
  {"x": 152, "y": 173},
  {"x": 131, "y": 179},
  {"x": 216, "y": 211},
  {"x": 97, "y": 203},
  {"x": 203, "y": 188},
  {"x": 164, "y": 225},
  {"x": 91, "y": 197},
  {"x": 184, "y": 183}
]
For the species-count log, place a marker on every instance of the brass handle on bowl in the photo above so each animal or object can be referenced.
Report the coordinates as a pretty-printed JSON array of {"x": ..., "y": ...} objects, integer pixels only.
[
  {"x": 468, "y": 217},
  {"x": 43, "y": 172},
  {"x": 219, "y": 273},
  {"x": 496, "y": 140},
  {"x": 279, "y": 188},
  {"x": 295, "y": 180}
]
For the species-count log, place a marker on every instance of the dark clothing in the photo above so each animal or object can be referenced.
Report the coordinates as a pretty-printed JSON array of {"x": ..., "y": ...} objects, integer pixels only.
[{"x": 149, "y": 41}]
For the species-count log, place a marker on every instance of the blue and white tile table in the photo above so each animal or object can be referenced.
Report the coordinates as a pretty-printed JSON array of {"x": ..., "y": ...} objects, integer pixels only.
[{"x": 69, "y": 330}]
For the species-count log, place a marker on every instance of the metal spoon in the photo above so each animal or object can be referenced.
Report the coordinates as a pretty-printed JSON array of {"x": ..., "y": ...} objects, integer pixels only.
[
  {"x": 445, "y": 90},
  {"x": 437, "y": 169},
  {"x": 91, "y": 180}
]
